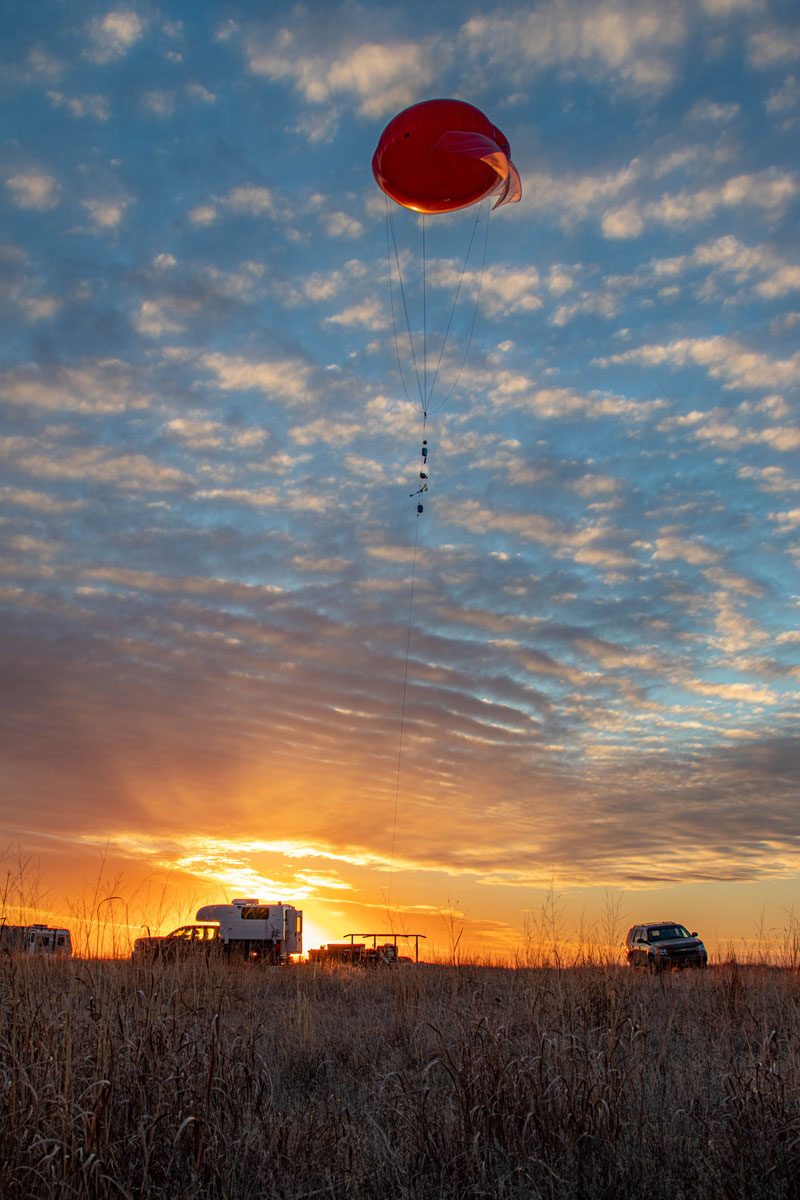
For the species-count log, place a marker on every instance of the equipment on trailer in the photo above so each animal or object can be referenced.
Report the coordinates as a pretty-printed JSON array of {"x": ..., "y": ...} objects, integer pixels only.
[
  {"x": 337, "y": 952},
  {"x": 362, "y": 954},
  {"x": 355, "y": 954},
  {"x": 35, "y": 939}
]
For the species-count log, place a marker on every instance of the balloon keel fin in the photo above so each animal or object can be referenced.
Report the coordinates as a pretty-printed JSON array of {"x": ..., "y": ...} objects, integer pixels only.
[{"x": 510, "y": 188}]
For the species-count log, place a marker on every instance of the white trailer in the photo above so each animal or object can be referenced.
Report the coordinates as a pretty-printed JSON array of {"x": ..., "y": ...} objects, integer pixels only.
[
  {"x": 35, "y": 939},
  {"x": 252, "y": 929}
]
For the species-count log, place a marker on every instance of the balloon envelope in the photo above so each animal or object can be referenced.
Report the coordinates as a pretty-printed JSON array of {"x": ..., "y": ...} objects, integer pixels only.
[{"x": 442, "y": 155}]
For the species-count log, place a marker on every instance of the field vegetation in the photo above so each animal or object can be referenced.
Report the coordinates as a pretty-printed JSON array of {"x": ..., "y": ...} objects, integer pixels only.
[{"x": 204, "y": 1079}]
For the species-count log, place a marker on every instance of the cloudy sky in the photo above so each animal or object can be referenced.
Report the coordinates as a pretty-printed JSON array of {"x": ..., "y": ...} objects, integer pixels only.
[{"x": 208, "y": 453}]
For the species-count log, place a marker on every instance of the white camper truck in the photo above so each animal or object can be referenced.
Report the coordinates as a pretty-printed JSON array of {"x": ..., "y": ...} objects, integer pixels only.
[
  {"x": 251, "y": 929},
  {"x": 246, "y": 929}
]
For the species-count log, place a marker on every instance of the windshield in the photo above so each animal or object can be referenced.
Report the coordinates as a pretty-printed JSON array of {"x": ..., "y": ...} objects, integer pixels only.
[{"x": 662, "y": 933}]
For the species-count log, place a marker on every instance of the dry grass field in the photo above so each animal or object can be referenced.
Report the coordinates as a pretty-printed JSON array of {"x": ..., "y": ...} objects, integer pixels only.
[{"x": 201, "y": 1079}]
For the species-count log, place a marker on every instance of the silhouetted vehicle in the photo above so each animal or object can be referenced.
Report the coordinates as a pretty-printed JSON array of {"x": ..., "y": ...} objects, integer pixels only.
[
  {"x": 189, "y": 939},
  {"x": 245, "y": 929},
  {"x": 35, "y": 939},
  {"x": 661, "y": 945}
]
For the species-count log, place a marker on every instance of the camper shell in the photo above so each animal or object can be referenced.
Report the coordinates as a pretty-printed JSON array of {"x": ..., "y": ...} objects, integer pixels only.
[{"x": 252, "y": 929}]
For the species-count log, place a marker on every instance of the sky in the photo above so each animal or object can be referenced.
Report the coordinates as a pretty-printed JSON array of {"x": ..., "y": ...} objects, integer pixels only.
[{"x": 237, "y": 661}]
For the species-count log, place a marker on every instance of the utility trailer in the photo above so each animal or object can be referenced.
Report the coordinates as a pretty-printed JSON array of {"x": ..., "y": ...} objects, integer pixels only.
[
  {"x": 362, "y": 954},
  {"x": 35, "y": 939},
  {"x": 355, "y": 954}
]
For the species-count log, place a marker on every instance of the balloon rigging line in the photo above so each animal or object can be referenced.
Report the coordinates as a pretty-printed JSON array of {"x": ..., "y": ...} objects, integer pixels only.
[
  {"x": 391, "y": 242},
  {"x": 442, "y": 403},
  {"x": 424, "y": 326},
  {"x": 425, "y": 391},
  {"x": 403, "y": 709}
]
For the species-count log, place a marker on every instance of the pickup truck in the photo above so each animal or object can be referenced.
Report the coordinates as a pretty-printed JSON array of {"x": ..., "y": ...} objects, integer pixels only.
[{"x": 189, "y": 939}]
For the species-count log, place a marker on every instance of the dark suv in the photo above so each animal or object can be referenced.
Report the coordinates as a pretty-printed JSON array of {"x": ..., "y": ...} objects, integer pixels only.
[{"x": 664, "y": 944}]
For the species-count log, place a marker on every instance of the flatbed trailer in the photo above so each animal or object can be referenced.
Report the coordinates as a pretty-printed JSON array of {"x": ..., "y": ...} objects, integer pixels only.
[{"x": 384, "y": 949}]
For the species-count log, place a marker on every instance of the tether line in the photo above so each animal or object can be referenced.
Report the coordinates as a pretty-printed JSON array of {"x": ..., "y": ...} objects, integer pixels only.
[
  {"x": 403, "y": 707},
  {"x": 426, "y": 397},
  {"x": 391, "y": 243}
]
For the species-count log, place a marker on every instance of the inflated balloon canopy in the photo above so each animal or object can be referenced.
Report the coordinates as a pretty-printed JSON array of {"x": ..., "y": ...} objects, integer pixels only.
[{"x": 443, "y": 155}]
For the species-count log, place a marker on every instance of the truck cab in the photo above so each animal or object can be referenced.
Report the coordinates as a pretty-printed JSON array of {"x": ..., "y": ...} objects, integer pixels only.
[{"x": 188, "y": 939}]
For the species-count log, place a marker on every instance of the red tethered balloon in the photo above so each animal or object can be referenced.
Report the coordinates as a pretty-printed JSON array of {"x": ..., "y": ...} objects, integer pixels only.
[{"x": 441, "y": 155}]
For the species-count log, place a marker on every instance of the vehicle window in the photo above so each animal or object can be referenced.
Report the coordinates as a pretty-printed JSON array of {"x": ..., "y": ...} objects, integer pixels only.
[
  {"x": 255, "y": 912},
  {"x": 665, "y": 932}
]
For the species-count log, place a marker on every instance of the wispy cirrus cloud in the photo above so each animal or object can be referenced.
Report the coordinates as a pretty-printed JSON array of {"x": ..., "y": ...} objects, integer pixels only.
[
  {"x": 623, "y": 203},
  {"x": 759, "y": 265},
  {"x": 104, "y": 386},
  {"x": 380, "y": 77},
  {"x": 722, "y": 357},
  {"x": 94, "y": 106},
  {"x": 51, "y": 460},
  {"x": 33, "y": 188},
  {"x": 632, "y": 44},
  {"x": 514, "y": 390},
  {"x": 284, "y": 379},
  {"x": 112, "y": 36},
  {"x": 670, "y": 547},
  {"x": 774, "y": 46},
  {"x": 106, "y": 213}
]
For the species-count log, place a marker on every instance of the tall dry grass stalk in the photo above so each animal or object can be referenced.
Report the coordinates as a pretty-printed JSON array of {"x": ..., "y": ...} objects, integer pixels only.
[
  {"x": 547, "y": 941},
  {"x": 107, "y": 915},
  {"x": 22, "y": 896},
  {"x": 207, "y": 1080}
]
